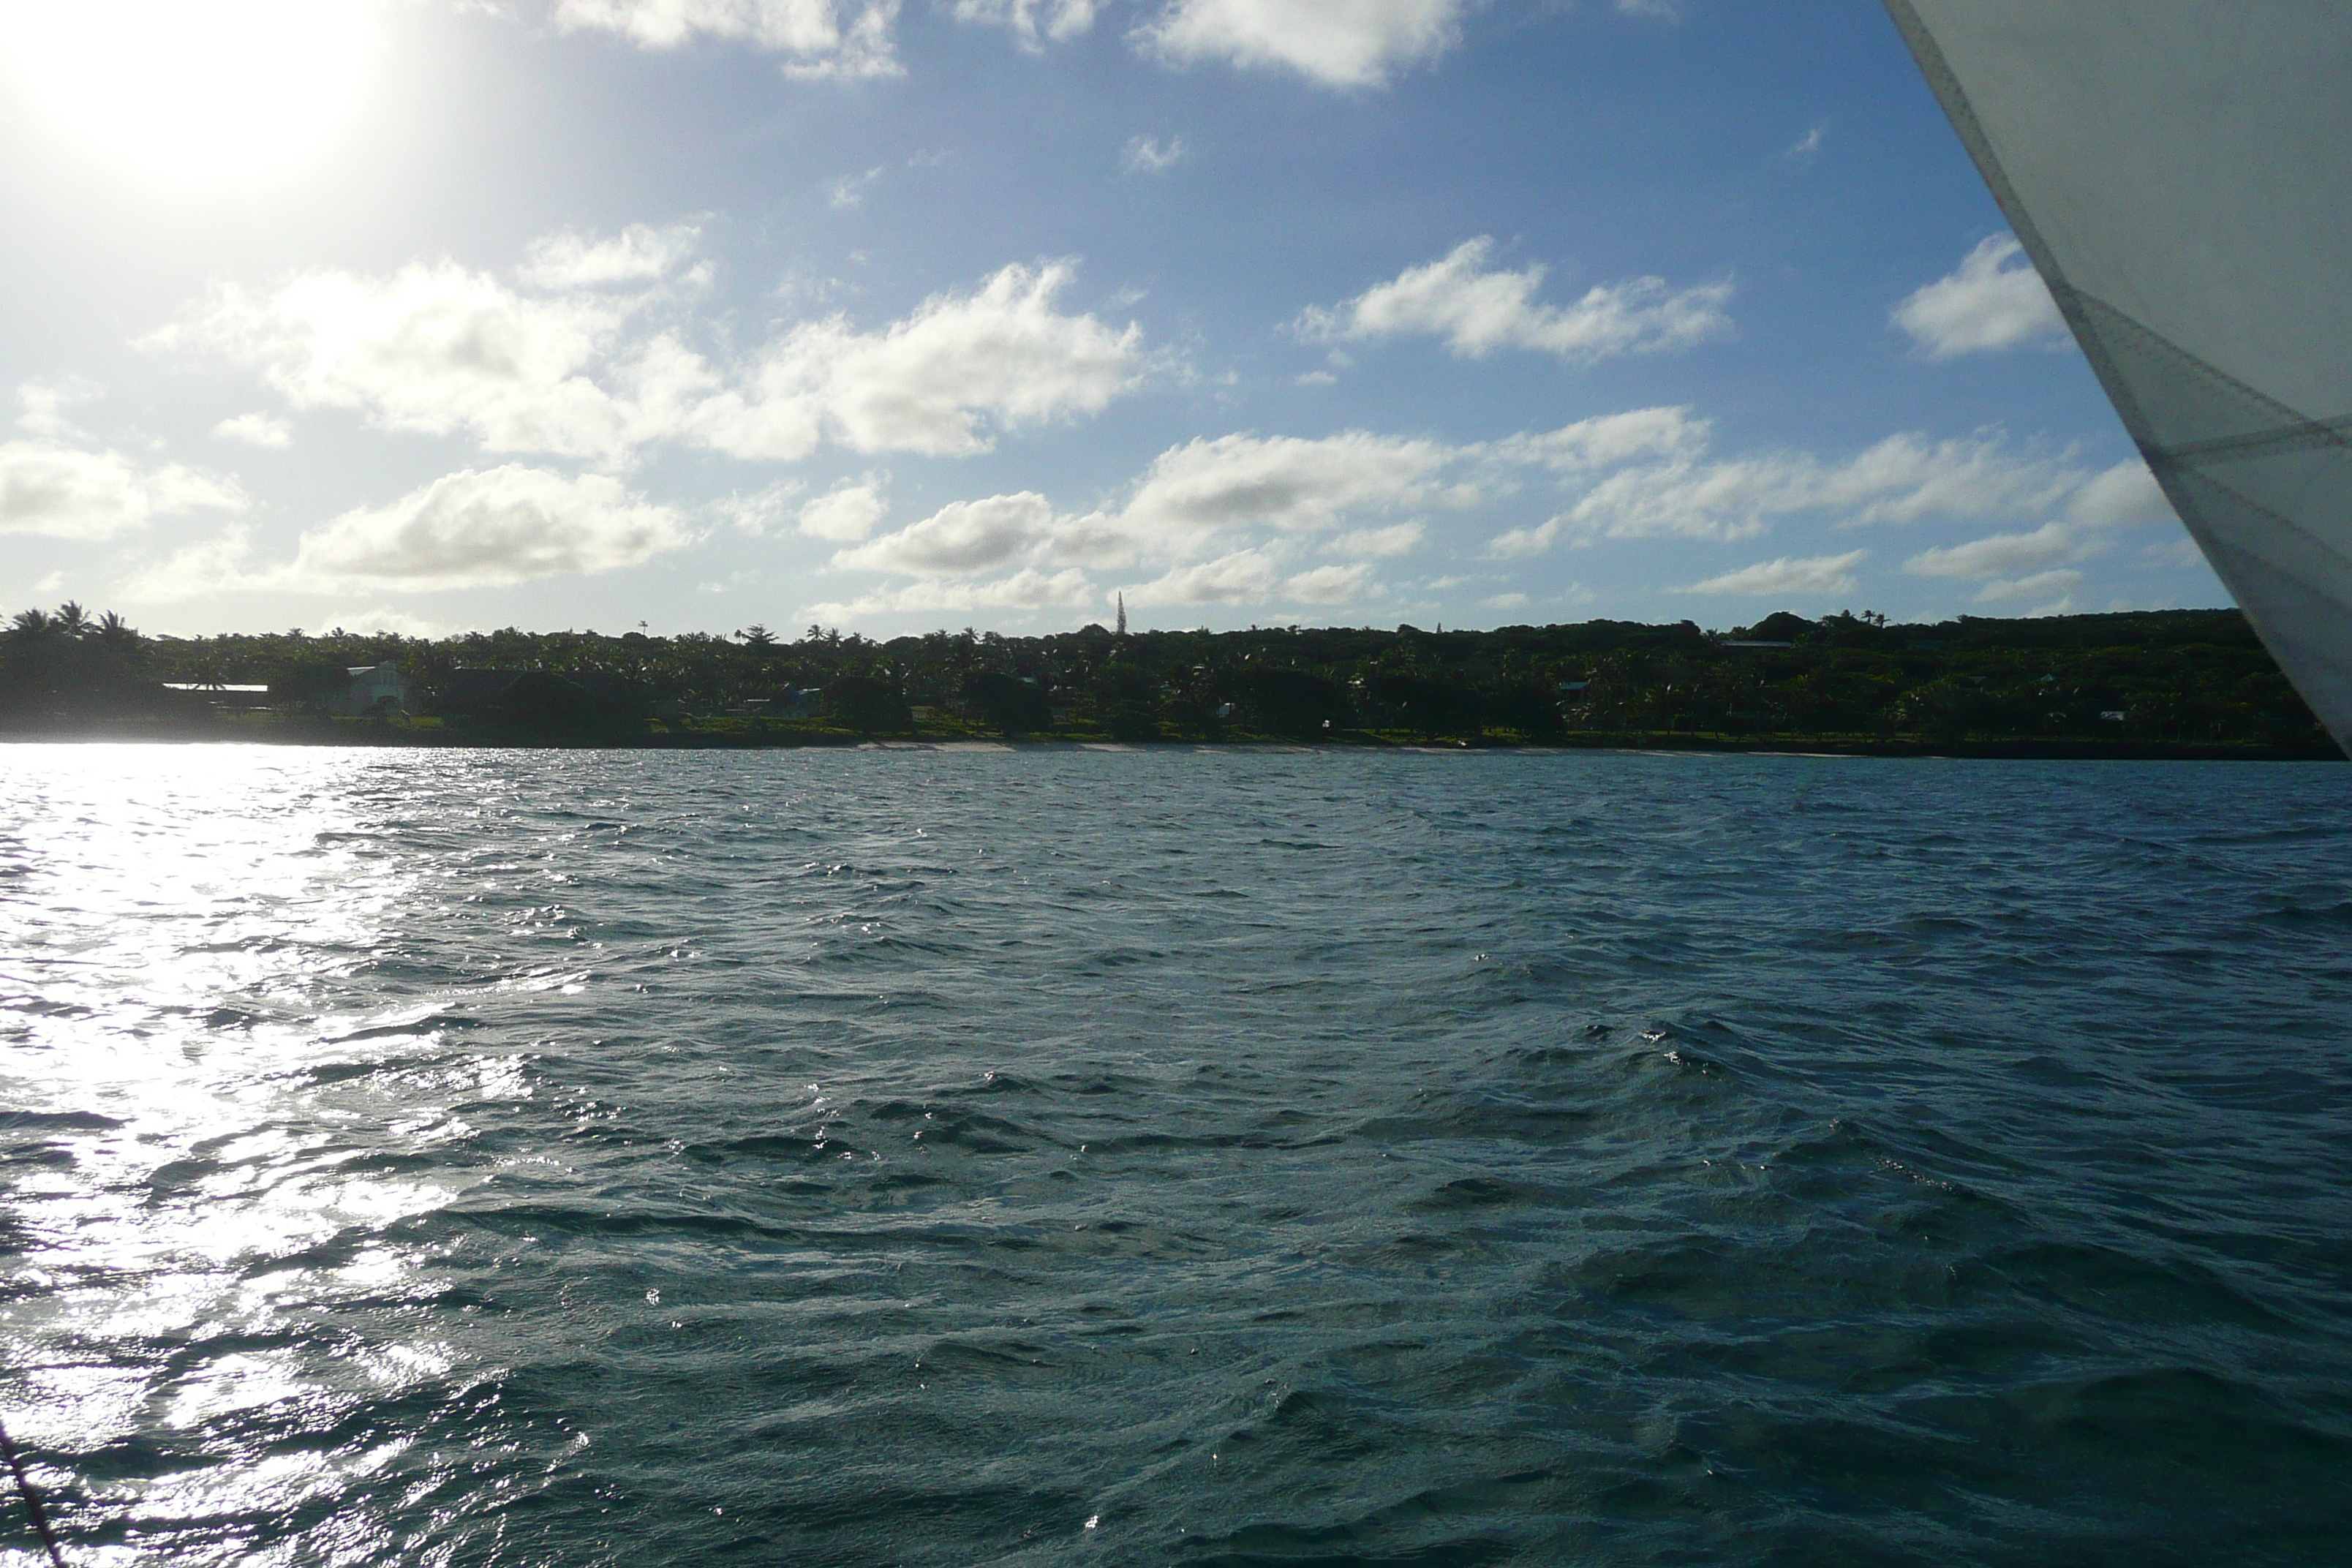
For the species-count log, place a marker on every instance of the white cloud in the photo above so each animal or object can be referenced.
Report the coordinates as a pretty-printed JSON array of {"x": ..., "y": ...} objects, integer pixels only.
[
  {"x": 1998, "y": 554},
  {"x": 1328, "y": 585},
  {"x": 383, "y": 620},
  {"x": 1814, "y": 575},
  {"x": 761, "y": 512},
  {"x": 638, "y": 254},
  {"x": 194, "y": 571},
  {"x": 1988, "y": 306},
  {"x": 1476, "y": 311},
  {"x": 1229, "y": 579},
  {"x": 1611, "y": 440},
  {"x": 944, "y": 381},
  {"x": 1335, "y": 43},
  {"x": 1401, "y": 540},
  {"x": 958, "y": 540},
  {"x": 2062, "y": 583},
  {"x": 849, "y": 39},
  {"x": 1197, "y": 490},
  {"x": 433, "y": 349},
  {"x": 1809, "y": 144},
  {"x": 849, "y": 191},
  {"x": 440, "y": 349},
  {"x": 849, "y": 512},
  {"x": 1028, "y": 589},
  {"x": 67, "y": 492},
  {"x": 1904, "y": 478},
  {"x": 1143, "y": 155},
  {"x": 256, "y": 429},
  {"x": 488, "y": 528},
  {"x": 1031, "y": 22},
  {"x": 2125, "y": 495},
  {"x": 43, "y": 406}
]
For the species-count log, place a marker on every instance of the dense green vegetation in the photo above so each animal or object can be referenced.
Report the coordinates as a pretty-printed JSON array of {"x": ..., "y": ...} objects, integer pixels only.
[{"x": 2193, "y": 680}]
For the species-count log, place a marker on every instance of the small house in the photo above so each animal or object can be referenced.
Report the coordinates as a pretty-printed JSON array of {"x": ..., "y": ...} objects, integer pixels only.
[{"x": 376, "y": 690}]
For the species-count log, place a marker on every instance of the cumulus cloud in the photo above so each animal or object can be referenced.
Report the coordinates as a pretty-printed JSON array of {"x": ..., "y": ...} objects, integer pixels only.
[
  {"x": 2122, "y": 497},
  {"x": 848, "y": 38},
  {"x": 67, "y": 492},
  {"x": 638, "y": 254},
  {"x": 1143, "y": 155},
  {"x": 489, "y": 528},
  {"x": 1814, "y": 576},
  {"x": 1244, "y": 576},
  {"x": 1476, "y": 310},
  {"x": 435, "y": 348},
  {"x": 1032, "y": 23},
  {"x": 1994, "y": 301},
  {"x": 439, "y": 349},
  {"x": 958, "y": 540},
  {"x": 848, "y": 512},
  {"x": 1334, "y": 43},
  {"x": 1328, "y": 585},
  {"x": 1207, "y": 485},
  {"x": 41, "y": 406},
  {"x": 1998, "y": 554},
  {"x": 256, "y": 430},
  {"x": 945, "y": 381}
]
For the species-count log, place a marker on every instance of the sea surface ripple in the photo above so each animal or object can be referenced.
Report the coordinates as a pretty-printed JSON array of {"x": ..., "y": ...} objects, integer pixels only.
[{"x": 1159, "y": 1156}]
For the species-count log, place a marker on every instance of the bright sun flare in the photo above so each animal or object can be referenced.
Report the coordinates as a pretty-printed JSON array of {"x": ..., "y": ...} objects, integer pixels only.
[{"x": 192, "y": 90}]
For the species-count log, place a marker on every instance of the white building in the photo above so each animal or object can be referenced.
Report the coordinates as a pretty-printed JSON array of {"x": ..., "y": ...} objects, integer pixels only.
[{"x": 375, "y": 688}]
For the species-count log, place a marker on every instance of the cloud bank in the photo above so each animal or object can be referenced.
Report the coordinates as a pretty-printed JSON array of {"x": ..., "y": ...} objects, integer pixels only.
[{"x": 576, "y": 367}]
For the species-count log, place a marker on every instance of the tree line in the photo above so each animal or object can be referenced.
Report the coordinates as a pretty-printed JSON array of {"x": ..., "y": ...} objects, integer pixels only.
[{"x": 2186, "y": 677}]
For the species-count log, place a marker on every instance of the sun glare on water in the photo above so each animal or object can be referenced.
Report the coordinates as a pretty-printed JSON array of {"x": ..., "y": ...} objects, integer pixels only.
[{"x": 192, "y": 90}]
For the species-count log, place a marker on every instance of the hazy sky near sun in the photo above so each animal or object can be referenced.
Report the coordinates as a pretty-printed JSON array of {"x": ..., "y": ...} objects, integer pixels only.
[{"x": 898, "y": 314}]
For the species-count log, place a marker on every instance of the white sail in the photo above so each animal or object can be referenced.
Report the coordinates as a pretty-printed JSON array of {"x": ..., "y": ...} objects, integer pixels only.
[{"x": 2181, "y": 171}]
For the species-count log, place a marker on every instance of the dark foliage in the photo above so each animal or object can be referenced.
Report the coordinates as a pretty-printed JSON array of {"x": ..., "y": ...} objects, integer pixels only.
[
  {"x": 1007, "y": 703},
  {"x": 2190, "y": 678},
  {"x": 871, "y": 705}
]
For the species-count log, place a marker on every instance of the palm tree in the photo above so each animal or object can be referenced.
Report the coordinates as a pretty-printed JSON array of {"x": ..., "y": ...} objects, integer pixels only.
[
  {"x": 72, "y": 619},
  {"x": 31, "y": 624},
  {"x": 117, "y": 633}
]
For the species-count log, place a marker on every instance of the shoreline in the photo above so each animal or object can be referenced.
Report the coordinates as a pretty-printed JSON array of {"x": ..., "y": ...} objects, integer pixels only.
[{"x": 373, "y": 738}]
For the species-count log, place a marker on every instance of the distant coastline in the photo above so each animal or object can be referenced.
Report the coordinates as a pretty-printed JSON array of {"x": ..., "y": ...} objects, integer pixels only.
[
  {"x": 2187, "y": 685},
  {"x": 399, "y": 737}
]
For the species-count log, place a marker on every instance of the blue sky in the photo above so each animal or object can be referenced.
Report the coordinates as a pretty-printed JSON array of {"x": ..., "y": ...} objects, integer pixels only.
[{"x": 429, "y": 316}]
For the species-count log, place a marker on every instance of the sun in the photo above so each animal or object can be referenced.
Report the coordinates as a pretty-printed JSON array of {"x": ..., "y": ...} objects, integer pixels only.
[{"x": 192, "y": 90}]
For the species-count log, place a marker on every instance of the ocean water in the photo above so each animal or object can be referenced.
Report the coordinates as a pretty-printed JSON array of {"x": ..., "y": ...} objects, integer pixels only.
[{"x": 1075, "y": 1157}]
